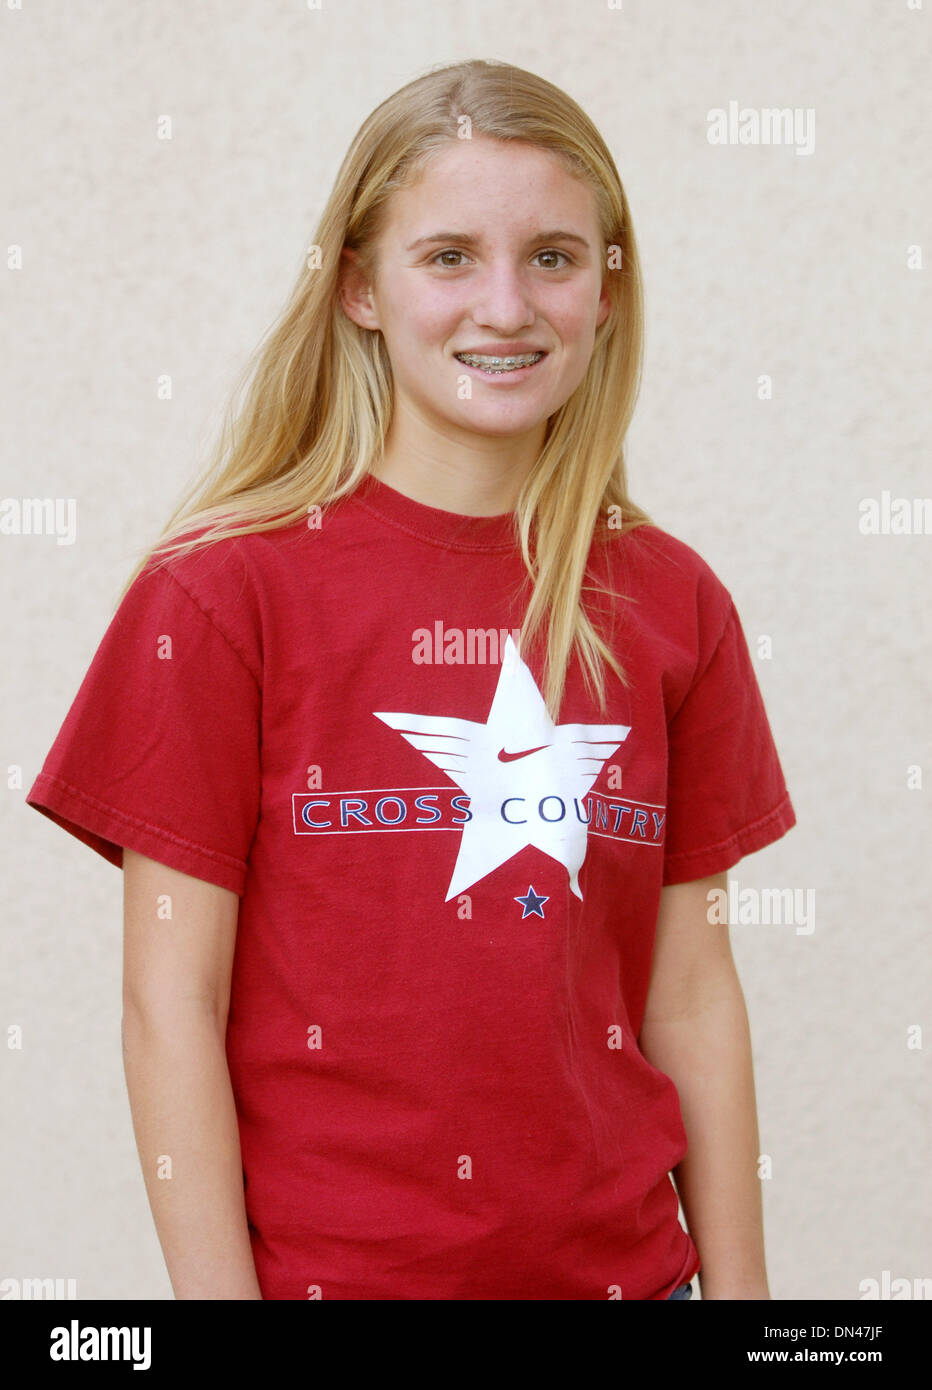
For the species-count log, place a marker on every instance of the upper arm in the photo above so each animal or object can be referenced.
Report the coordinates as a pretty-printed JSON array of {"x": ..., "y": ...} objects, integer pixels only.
[
  {"x": 179, "y": 935},
  {"x": 691, "y": 954}
]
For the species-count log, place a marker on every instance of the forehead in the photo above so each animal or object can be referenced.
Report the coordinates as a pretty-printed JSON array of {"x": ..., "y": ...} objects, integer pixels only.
[{"x": 472, "y": 180}]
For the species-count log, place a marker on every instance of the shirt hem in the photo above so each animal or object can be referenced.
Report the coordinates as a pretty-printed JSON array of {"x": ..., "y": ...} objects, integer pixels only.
[
  {"x": 688, "y": 1272},
  {"x": 724, "y": 854},
  {"x": 108, "y": 830}
]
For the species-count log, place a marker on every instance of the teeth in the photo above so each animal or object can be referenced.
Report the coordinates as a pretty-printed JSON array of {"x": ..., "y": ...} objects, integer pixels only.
[{"x": 499, "y": 364}]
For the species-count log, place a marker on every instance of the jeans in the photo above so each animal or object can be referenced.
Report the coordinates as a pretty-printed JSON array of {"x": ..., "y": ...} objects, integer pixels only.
[{"x": 684, "y": 1291}]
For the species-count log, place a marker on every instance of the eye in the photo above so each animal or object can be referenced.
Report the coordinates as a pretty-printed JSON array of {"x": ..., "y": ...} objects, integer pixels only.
[
  {"x": 553, "y": 252},
  {"x": 451, "y": 251}
]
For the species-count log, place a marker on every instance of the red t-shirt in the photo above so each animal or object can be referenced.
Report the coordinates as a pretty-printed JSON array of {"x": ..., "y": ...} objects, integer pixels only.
[{"x": 448, "y": 902}]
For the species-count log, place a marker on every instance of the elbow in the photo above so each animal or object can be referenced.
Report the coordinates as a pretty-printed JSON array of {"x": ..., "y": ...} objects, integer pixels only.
[{"x": 146, "y": 1016}]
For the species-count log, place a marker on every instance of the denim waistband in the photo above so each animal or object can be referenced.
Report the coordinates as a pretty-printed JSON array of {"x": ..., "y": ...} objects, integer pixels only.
[{"x": 684, "y": 1291}]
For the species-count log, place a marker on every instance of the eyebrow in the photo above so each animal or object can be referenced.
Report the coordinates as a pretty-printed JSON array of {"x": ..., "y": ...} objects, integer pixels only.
[{"x": 466, "y": 239}]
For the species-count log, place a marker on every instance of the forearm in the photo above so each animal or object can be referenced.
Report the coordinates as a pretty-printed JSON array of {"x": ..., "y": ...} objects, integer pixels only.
[
  {"x": 184, "y": 1118},
  {"x": 707, "y": 1055}
]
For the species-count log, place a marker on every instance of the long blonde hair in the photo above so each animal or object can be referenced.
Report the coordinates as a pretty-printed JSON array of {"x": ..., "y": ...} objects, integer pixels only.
[{"x": 319, "y": 388}]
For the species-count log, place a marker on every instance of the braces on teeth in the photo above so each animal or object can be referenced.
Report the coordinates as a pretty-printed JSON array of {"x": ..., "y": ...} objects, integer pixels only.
[{"x": 496, "y": 365}]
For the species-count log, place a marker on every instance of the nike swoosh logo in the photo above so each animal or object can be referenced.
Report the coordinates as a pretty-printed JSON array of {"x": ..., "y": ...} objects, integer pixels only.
[{"x": 504, "y": 757}]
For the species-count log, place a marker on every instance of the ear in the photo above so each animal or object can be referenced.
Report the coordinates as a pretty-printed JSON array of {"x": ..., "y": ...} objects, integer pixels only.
[
  {"x": 605, "y": 304},
  {"x": 354, "y": 291}
]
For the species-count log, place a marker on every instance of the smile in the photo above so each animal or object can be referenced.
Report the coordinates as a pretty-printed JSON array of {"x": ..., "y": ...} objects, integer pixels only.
[{"x": 495, "y": 366}]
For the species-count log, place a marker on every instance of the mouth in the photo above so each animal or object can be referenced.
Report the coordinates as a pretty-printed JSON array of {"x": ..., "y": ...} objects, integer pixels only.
[{"x": 519, "y": 364}]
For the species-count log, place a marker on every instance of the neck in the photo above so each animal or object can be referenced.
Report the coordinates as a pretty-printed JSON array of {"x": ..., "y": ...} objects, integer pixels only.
[{"x": 458, "y": 477}]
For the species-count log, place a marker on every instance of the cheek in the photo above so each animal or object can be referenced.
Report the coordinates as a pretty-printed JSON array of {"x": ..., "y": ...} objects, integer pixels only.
[
  {"x": 423, "y": 319},
  {"x": 573, "y": 317}
]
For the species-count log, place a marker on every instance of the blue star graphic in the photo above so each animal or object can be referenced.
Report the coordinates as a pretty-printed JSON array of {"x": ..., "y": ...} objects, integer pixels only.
[{"x": 532, "y": 903}]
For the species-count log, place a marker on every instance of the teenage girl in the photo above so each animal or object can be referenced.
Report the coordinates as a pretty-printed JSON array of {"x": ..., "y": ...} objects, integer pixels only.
[{"x": 425, "y": 753}]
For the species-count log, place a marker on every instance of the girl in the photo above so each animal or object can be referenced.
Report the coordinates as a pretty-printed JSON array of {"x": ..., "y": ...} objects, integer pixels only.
[{"x": 425, "y": 754}]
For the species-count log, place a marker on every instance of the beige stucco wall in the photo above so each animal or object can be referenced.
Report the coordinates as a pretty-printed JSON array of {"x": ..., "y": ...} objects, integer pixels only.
[{"x": 143, "y": 256}]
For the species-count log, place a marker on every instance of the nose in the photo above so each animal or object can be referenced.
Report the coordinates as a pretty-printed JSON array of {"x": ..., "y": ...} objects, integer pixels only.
[{"x": 502, "y": 301}]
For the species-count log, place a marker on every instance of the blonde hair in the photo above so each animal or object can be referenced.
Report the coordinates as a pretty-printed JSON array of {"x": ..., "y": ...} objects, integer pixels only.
[{"x": 320, "y": 396}]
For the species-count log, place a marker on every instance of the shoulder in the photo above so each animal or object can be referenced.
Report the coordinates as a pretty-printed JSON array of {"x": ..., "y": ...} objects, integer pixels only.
[
  {"x": 672, "y": 581},
  {"x": 668, "y": 556},
  {"x": 225, "y": 582},
  {"x": 218, "y": 570}
]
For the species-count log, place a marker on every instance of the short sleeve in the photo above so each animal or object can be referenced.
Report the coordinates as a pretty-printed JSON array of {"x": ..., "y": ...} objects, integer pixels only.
[
  {"x": 726, "y": 794},
  {"x": 160, "y": 750}
]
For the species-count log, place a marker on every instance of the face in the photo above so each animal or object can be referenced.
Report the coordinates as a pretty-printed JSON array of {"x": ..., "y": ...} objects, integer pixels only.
[{"x": 494, "y": 251}]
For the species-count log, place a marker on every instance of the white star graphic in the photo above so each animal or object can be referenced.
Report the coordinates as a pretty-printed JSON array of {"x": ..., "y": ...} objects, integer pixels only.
[{"x": 516, "y": 768}]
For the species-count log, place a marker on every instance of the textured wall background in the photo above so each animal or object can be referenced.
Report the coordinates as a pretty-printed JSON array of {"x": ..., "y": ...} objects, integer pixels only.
[{"x": 143, "y": 256}]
